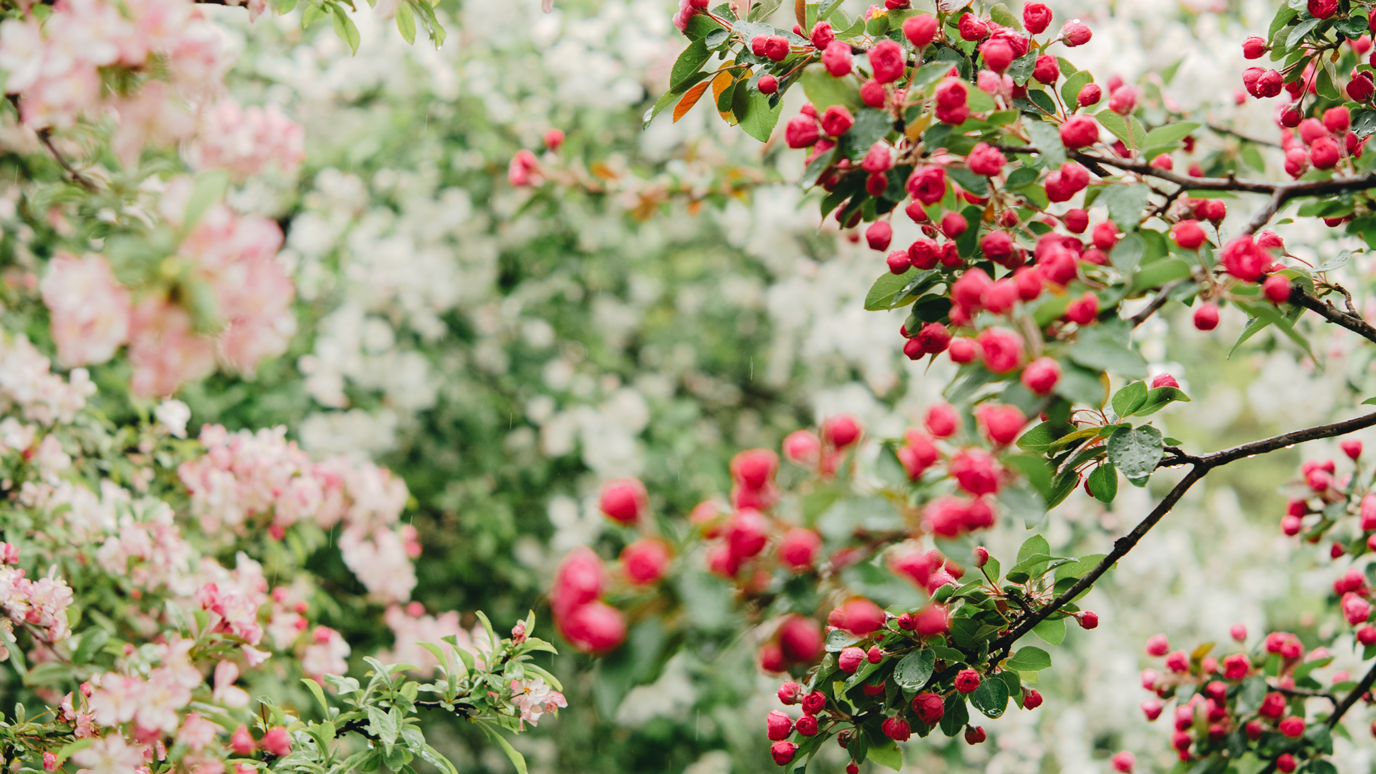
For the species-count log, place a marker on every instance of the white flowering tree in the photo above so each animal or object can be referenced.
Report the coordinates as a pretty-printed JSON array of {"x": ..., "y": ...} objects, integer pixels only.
[{"x": 151, "y": 582}]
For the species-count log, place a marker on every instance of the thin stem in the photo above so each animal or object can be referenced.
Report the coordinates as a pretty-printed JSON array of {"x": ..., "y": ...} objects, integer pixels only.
[{"x": 45, "y": 137}]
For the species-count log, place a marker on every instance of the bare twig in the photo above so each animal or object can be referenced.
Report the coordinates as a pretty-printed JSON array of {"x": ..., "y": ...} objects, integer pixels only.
[
  {"x": 1162, "y": 297},
  {"x": 1199, "y": 467},
  {"x": 45, "y": 137},
  {"x": 1331, "y": 313}
]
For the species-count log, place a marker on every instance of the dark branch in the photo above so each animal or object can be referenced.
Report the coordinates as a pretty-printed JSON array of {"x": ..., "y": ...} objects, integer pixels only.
[
  {"x": 1199, "y": 467},
  {"x": 1340, "y": 709},
  {"x": 1156, "y": 303},
  {"x": 45, "y": 137},
  {"x": 1349, "y": 320},
  {"x": 1121, "y": 547},
  {"x": 1280, "y": 192},
  {"x": 1353, "y": 697}
]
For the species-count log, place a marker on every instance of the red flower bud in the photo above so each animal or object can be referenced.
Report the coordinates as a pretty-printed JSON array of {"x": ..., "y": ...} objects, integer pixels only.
[
  {"x": 1079, "y": 132},
  {"x": 1036, "y": 18},
  {"x": 837, "y": 59},
  {"x": 783, "y": 752},
  {"x": 1075, "y": 33},
  {"x": 778, "y": 725},
  {"x": 624, "y": 500},
  {"x": 974, "y": 734},
  {"x": 920, "y": 30}
]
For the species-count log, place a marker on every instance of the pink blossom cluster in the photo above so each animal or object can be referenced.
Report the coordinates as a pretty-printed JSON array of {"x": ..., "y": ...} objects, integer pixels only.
[
  {"x": 534, "y": 698},
  {"x": 261, "y": 479},
  {"x": 231, "y": 256},
  {"x": 411, "y": 625},
  {"x": 55, "y": 66},
  {"x": 30, "y": 389},
  {"x": 245, "y": 142},
  {"x": 39, "y": 605}
]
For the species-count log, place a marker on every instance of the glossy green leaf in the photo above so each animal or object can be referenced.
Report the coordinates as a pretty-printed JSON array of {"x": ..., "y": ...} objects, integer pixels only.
[
  {"x": 915, "y": 669},
  {"x": 1136, "y": 452},
  {"x": 689, "y": 62},
  {"x": 1029, "y": 659},
  {"x": 991, "y": 697}
]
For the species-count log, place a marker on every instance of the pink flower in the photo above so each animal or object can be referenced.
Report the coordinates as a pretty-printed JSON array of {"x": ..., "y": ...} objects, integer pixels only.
[
  {"x": 90, "y": 310},
  {"x": 1001, "y": 349},
  {"x": 109, "y": 755},
  {"x": 245, "y": 142},
  {"x": 976, "y": 471}
]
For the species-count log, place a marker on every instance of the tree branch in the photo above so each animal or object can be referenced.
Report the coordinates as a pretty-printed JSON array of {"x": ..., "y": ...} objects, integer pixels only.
[
  {"x": 1199, "y": 467},
  {"x": 1341, "y": 709},
  {"x": 1156, "y": 303},
  {"x": 45, "y": 137},
  {"x": 1333, "y": 314},
  {"x": 1280, "y": 192}
]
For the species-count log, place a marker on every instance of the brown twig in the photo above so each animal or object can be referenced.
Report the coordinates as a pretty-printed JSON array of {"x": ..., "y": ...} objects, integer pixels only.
[
  {"x": 45, "y": 137},
  {"x": 1199, "y": 467},
  {"x": 1349, "y": 320}
]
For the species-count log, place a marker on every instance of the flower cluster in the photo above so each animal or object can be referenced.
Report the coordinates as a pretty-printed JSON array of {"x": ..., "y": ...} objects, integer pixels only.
[
  {"x": 241, "y": 311},
  {"x": 1241, "y": 701},
  {"x": 250, "y": 481},
  {"x": 247, "y": 142},
  {"x": 56, "y": 67}
]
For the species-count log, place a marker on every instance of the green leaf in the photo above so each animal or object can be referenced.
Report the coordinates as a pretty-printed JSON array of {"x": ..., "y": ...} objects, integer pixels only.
[
  {"x": 760, "y": 117},
  {"x": 345, "y": 29},
  {"x": 1115, "y": 123},
  {"x": 956, "y": 716},
  {"x": 406, "y": 22},
  {"x": 1051, "y": 631},
  {"x": 1070, "y": 90},
  {"x": 1033, "y": 546},
  {"x": 1129, "y": 399},
  {"x": 92, "y": 640},
  {"x": 839, "y": 639},
  {"x": 1039, "y": 438},
  {"x": 1103, "y": 484},
  {"x": 1126, "y": 204},
  {"x": 870, "y": 127},
  {"x": 1029, "y": 659},
  {"x": 1026, "y": 504},
  {"x": 823, "y": 91},
  {"x": 689, "y": 62},
  {"x": 1127, "y": 254},
  {"x": 887, "y": 755},
  {"x": 208, "y": 190},
  {"x": 69, "y": 750},
  {"x": 915, "y": 669},
  {"x": 1136, "y": 451},
  {"x": 311, "y": 14},
  {"x": 1005, "y": 17},
  {"x": 763, "y": 9},
  {"x": 1099, "y": 351},
  {"x": 892, "y": 290},
  {"x": 1158, "y": 273},
  {"x": 319, "y": 694},
  {"x": 1047, "y": 139},
  {"x": 517, "y": 759},
  {"x": 991, "y": 697},
  {"x": 1160, "y": 397},
  {"x": 1169, "y": 134},
  {"x": 1042, "y": 100}
]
